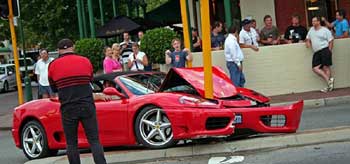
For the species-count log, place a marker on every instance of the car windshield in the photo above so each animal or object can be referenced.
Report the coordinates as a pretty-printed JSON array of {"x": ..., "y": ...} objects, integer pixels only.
[
  {"x": 142, "y": 84},
  {"x": 2, "y": 70}
]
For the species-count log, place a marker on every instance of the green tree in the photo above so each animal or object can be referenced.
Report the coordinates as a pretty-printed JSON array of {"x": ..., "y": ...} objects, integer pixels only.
[
  {"x": 92, "y": 49},
  {"x": 152, "y": 4},
  {"x": 46, "y": 22},
  {"x": 5, "y": 33}
]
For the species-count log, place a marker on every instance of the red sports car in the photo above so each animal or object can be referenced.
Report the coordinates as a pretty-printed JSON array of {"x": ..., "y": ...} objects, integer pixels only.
[{"x": 156, "y": 110}]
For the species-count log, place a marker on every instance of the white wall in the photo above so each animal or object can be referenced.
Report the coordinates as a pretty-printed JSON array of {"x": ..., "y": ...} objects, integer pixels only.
[
  {"x": 285, "y": 69},
  {"x": 258, "y": 9}
]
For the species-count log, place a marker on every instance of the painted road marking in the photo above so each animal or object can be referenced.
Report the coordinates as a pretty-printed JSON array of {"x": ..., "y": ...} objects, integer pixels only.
[{"x": 226, "y": 160}]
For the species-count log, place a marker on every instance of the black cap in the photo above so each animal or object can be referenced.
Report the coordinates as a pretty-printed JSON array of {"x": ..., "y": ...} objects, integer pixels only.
[
  {"x": 246, "y": 21},
  {"x": 65, "y": 43}
]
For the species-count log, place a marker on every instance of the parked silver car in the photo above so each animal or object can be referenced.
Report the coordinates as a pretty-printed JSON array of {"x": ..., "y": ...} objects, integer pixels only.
[
  {"x": 7, "y": 77},
  {"x": 30, "y": 67}
]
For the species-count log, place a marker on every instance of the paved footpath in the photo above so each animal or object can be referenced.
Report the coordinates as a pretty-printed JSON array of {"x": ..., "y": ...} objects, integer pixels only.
[{"x": 319, "y": 136}]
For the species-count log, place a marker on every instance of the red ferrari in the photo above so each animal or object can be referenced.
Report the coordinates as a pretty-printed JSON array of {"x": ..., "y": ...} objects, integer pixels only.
[{"x": 156, "y": 110}]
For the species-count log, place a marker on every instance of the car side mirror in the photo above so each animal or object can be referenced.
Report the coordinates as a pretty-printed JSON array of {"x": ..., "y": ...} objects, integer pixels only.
[
  {"x": 10, "y": 73},
  {"x": 110, "y": 91}
]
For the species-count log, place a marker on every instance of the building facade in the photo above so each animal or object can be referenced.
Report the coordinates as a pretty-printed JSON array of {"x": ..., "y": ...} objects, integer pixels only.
[{"x": 280, "y": 10}]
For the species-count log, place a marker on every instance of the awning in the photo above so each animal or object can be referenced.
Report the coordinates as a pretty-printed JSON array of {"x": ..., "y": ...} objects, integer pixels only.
[{"x": 117, "y": 26}]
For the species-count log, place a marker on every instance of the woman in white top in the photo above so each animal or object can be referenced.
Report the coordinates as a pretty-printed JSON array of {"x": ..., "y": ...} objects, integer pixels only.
[{"x": 137, "y": 59}]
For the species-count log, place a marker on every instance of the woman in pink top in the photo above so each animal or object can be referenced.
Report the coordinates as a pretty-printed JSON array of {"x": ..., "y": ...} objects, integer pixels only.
[
  {"x": 116, "y": 55},
  {"x": 109, "y": 64}
]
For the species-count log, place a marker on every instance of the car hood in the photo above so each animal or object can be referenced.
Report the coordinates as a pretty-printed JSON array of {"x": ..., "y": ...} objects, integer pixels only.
[{"x": 222, "y": 85}]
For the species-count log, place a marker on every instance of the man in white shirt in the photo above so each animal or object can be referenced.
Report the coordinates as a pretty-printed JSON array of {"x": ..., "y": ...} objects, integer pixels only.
[
  {"x": 321, "y": 41},
  {"x": 234, "y": 58},
  {"x": 41, "y": 70},
  {"x": 137, "y": 59},
  {"x": 248, "y": 37}
]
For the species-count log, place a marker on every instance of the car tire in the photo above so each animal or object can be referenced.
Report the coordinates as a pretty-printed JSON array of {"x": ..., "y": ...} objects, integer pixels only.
[
  {"x": 153, "y": 128},
  {"x": 34, "y": 141},
  {"x": 6, "y": 87}
]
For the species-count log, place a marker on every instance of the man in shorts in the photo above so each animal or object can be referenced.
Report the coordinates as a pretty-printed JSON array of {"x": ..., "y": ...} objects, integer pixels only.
[
  {"x": 321, "y": 41},
  {"x": 41, "y": 70}
]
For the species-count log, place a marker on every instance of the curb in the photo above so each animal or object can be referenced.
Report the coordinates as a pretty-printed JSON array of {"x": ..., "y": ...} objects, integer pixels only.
[
  {"x": 316, "y": 103},
  {"x": 319, "y": 136}
]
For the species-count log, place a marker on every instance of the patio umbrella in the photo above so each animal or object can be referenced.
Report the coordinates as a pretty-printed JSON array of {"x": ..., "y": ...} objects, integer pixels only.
[{"x": 117, "y": 26}]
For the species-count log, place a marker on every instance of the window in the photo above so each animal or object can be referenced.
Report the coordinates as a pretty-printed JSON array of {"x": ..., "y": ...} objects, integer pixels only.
[
  {"x": 2, "y": 70},
  {"x": 137, "y": 87},
  {"x": 11, "y": 69},
  {"x": 323, "y": 8}
]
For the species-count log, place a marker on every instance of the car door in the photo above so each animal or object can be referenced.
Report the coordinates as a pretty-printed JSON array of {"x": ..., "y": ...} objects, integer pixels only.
[
  {"x": 11, "y": 77},
  {"x": 112, "y": 120}
]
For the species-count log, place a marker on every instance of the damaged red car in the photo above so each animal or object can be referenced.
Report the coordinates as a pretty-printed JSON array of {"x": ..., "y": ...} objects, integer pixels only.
[{"x": 156, "y": 110}]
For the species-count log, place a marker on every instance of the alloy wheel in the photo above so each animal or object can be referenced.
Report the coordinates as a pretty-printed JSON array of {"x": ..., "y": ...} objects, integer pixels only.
[
  {"x": 33, "y": 141},
  {"x": 155, "y": 128}
]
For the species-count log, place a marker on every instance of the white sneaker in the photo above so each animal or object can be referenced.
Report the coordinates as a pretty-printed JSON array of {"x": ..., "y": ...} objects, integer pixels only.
[
  {"x": 331, "y": 84},
  {"x": 325, "y": 90}
]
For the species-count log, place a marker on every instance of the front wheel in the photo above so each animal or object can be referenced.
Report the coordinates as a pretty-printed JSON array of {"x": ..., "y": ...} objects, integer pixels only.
[
  {"x": 34, "y": 141},
  {"x": 6, "y": 87},
  {"x": 153, "y": 128}
]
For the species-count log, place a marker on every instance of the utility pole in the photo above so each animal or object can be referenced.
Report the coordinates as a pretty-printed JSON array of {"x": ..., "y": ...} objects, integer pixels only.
[
  {"x": 91, "y": 19},
  {"x": 15, "y": 53},
  {"x": 26, "y": 80},
  {"x": 186, "y": 27},
  {"x": 80, "y": 20},
  {"x": 228, "y": 17},
  {"x": 207, "y": 65},
  {"x": 83, "y": 13},
  {"x": 114, "y": 8}
]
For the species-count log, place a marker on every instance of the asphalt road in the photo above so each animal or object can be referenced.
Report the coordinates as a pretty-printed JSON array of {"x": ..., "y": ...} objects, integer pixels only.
[
  {"x": 325, "y": 117},
  {"x": 337, "y": 153},
  {"x": 9, "y": 100}
]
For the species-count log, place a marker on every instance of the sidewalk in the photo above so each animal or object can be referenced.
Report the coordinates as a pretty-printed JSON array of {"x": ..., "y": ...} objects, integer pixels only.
[
  {"x": 320, "y": 136},
  {"x": 312, "y": 99}
]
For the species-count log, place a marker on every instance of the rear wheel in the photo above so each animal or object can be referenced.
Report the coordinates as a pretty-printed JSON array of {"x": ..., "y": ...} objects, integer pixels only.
[
  {"x": 153, "y": 128},
  {"x": 34, "y": 141}
]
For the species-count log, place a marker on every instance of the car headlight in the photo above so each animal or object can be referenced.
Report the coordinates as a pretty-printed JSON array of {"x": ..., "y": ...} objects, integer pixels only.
[{"x": 186, "y": 100}]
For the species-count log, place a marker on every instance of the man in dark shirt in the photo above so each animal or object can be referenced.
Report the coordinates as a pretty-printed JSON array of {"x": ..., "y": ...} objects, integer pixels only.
[
  {"x": 269, "y": 34},
  {"x": 70, "y": 75},
  {"x": 196, "y": 41},
  {"x": 295, "y": 32},
  {"x": 217, "y": 39},
  {"x": 178, "y": 57}
]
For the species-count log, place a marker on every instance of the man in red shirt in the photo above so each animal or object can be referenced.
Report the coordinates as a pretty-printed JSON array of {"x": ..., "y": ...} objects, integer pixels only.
[{"x": 70, "y": 75}]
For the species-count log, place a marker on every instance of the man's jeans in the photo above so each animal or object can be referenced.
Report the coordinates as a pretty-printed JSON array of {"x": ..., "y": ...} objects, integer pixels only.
[
  {"x": 86, "y": 114},
  {"x": 237, "y": 76}
]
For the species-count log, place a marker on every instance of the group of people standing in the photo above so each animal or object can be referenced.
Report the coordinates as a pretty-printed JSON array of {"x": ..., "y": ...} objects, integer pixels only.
[
  {"x": 135, "y": 59},
  {"x": 319, "y": 37}
]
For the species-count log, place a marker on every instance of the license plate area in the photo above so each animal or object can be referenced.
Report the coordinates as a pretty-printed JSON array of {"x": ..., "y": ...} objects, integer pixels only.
[{"x": 238, "y": 119}]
